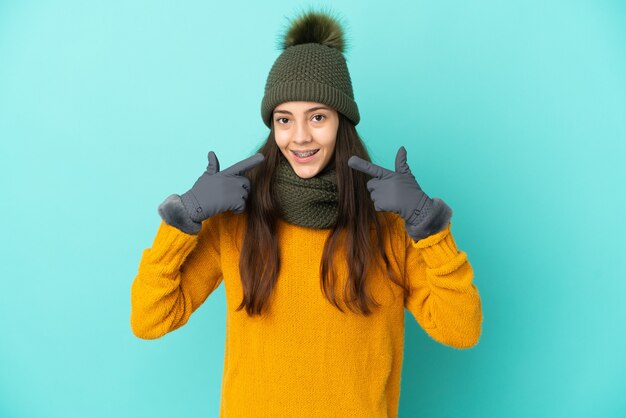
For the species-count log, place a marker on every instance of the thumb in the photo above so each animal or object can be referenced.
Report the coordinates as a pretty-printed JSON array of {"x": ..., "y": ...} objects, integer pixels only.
[
  {"x": 214, "y": 164},
  {"x": 401, "y": 164}
]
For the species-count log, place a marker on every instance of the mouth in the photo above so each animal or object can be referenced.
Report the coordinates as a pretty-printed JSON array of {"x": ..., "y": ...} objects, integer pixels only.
[{"x": 304, "y": 154}]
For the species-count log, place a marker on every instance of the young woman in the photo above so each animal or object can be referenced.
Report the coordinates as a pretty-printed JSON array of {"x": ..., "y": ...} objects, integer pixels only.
[{"x": 320, "y": 252}]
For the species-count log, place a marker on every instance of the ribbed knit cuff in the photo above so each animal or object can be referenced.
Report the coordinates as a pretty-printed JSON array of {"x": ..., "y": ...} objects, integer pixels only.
[
  {"x": 438, "y": 249},
  {"x": 170, "y": 248}
]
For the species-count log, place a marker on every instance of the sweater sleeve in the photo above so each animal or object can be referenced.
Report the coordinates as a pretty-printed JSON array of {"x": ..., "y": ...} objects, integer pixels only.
[
  {"x": 174, "y": 278},
  {"x": 444, "y": 300}
]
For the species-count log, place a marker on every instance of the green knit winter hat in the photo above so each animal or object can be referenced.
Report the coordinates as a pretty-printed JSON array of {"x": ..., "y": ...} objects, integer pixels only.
[{"x": 311, "y": 67}]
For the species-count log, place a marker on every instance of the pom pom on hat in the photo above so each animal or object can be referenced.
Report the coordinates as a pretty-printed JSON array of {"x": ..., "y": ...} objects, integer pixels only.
[{"x": 315, "y": 27}]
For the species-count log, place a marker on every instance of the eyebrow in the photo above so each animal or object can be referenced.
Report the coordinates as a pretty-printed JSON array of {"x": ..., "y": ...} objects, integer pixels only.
[{"x": 310, "y": 110}]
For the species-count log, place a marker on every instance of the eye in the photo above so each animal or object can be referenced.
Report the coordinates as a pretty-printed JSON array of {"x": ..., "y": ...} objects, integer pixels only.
[
  {"x": 279, "y": 120},
  {"x": 321, "y": 116}
]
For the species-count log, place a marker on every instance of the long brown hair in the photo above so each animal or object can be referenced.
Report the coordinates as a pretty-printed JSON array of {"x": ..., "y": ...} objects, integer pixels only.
[{"x": 259, "y": 261}]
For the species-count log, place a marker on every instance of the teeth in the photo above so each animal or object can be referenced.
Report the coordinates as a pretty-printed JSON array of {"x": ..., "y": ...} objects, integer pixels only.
[{"x": 305, "y": 154}]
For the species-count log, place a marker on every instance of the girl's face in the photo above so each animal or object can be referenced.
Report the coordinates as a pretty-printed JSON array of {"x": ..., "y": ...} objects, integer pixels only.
[{"x": 306, "y": 133}]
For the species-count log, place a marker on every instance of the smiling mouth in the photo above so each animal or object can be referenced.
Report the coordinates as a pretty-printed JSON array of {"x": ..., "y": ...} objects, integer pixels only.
[{"x": 304, "y": 154}]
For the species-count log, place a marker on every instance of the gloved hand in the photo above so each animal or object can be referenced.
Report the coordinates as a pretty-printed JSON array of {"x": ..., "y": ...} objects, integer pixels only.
[
  {"x": 217, "y": 191},
  {"x": 398, "y": 191}
]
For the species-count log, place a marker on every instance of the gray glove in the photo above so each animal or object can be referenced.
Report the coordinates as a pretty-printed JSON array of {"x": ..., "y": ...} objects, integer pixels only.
[
  {"x": 399, "y": 192},
  {"x": 215, "y": 191}
]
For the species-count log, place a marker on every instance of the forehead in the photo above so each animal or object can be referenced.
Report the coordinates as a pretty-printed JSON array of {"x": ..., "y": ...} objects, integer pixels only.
[{"x": 300, "y": 106}]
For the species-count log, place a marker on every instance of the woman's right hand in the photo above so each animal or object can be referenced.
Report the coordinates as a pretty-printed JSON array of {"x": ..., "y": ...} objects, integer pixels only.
[{"x": 217, "y": 191}]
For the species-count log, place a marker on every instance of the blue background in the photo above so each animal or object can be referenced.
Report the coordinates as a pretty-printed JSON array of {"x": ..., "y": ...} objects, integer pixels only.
[{"x": 513, "y": 112}]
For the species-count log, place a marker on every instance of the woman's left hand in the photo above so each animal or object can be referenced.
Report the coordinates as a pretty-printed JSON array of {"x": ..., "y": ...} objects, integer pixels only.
[{"x": 394, "y": 191}]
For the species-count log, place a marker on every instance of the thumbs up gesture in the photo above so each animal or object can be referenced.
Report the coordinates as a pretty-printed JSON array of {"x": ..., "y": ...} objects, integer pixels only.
[
  {"x": 398, "y": 191},
  {"x": 217, "y": 191}
]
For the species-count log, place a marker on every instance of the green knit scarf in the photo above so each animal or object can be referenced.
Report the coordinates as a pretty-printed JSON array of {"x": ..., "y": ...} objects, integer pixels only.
[{"x": 309, "y": 202}]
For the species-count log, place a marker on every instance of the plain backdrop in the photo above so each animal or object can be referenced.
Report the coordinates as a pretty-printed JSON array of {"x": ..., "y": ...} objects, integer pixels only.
[{"x": 512, "y": 112}]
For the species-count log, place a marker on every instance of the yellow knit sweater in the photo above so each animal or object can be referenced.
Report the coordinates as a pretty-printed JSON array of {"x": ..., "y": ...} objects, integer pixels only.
[{"x": 305, "y": 358}]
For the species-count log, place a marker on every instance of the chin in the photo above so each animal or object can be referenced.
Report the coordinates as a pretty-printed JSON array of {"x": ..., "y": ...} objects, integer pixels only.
[{"x": 306, "y": 174}]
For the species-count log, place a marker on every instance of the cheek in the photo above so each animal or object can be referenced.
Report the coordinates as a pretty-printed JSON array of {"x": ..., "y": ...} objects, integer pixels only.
[
  {"x": 330, "y": 138},
  {"x": 329, "y": 142},
  {"x": 281, "y": 141}
]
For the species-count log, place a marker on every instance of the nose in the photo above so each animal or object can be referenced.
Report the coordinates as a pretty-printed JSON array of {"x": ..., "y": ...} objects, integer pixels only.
[{"x": 302, "y": 134}]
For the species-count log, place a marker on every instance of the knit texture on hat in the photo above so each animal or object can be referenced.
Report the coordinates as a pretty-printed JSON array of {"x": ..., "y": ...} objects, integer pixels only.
[
  {"x": 312, "y": 202},
  {"x": 312, "y": 67}
]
